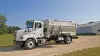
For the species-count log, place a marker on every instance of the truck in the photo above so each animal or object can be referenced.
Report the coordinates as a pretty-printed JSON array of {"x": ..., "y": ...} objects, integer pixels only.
[{"x": 40, "y": 32}]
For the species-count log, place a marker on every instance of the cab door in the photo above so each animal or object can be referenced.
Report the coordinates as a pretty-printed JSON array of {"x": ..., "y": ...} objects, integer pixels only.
[{"x": 38, "y": 29}]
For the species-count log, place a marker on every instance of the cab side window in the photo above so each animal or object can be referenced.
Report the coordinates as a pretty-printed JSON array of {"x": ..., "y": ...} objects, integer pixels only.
[{"x": 38, "y": 25}]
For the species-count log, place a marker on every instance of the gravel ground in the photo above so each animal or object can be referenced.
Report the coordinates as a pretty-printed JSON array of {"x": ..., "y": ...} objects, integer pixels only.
[{"x": 82, "y": 42}]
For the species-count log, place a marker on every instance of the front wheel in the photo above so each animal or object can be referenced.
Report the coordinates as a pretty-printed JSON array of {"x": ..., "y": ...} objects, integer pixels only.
[
  {"x": 67, "y": 40},
  {"x": 29, "y": 44}
]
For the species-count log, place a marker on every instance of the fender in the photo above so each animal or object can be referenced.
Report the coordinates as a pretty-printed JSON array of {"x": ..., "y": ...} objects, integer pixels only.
[{"x": 28, "y": 36}]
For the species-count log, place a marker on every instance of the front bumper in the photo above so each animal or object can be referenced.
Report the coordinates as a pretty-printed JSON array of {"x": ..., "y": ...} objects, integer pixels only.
[{"x": 18, "y": 42}]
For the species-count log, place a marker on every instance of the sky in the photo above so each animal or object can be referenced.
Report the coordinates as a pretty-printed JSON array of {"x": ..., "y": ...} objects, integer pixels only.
[{"x": 18, "y": 12}]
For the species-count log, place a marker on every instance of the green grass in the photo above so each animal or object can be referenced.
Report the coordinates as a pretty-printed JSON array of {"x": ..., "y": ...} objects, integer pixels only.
[
  {"x": 86, "y": 34},
  {"x": 6, "y": 40},
  {"x": 86, "y": 52}
]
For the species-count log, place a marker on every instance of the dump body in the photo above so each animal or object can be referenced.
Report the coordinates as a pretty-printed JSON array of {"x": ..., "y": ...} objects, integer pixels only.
[{"x": 55, "y": 27}]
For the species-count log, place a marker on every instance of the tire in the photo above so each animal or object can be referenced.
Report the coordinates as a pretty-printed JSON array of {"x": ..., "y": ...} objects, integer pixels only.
[
  {"x": 29, "y": 44},
  {"x": 67, "y": 40}
]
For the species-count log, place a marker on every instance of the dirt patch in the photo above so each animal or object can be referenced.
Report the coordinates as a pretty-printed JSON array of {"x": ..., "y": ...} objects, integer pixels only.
[{"x": 82, "y": 42}]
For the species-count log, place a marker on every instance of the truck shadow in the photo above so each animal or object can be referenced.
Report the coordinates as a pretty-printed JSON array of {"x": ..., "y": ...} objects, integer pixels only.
[
  {"x": 18, "y": 48},
  {"x": 10, "y": 49}
]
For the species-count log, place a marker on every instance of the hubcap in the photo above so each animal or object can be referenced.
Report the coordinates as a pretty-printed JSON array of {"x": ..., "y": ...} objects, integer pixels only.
[{"x": 30, "y": 44}]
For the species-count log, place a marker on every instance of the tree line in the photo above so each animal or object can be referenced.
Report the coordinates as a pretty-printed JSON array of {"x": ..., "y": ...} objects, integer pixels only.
[{"x": 4, "y": 29}]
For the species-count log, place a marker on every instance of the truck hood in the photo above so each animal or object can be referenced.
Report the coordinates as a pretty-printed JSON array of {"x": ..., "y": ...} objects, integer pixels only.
[
  {"x": 20, "y": 33},
  {"x": 24, "y": 31}
]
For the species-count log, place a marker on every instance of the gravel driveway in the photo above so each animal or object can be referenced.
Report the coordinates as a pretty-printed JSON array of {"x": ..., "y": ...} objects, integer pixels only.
[{"x": 48, "y": 50}]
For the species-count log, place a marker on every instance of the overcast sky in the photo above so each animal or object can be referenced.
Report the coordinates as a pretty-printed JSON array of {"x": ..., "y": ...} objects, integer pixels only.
[{"x": 79, "y": 11}]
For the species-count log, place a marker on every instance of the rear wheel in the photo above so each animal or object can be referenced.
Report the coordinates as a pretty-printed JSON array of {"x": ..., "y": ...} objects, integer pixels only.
[
  {"x": 30, "y": 44},
  {"x": 67, "y": 40}
]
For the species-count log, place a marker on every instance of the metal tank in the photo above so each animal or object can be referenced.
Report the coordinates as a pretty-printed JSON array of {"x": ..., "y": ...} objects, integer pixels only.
[{"x": 53, "y": 27}]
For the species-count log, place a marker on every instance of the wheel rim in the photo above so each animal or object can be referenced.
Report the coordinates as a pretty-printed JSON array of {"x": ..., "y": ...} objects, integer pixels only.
[
  {"x": 30, "y": 44},
  {"x": 68, "y": 39}
]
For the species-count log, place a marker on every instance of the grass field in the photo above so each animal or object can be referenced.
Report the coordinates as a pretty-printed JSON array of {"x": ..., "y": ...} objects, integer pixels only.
[
  {"x": 86, "y": 52},
  {"x": 6, "y": 40}
]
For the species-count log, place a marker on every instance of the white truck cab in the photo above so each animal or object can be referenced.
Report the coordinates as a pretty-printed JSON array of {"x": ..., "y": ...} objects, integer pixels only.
[{"x": 33, "y": 30}]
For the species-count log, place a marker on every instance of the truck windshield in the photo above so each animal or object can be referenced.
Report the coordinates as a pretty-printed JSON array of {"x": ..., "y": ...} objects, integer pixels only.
[{"x": 30, "y": 25}]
